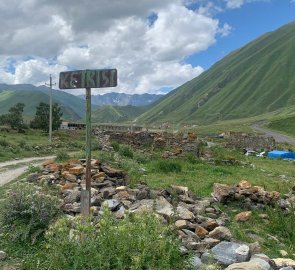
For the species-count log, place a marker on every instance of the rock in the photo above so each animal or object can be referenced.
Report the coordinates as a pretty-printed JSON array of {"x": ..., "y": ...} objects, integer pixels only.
[
  {"x": 211, "y": 225},
  {"x": 184, "y": 213},
  {"x": 226, "y": 253},
  {"x": 33, "y": 177},
  {"x": 255, "y": 248},
  {"x": 179, "y": 190},
  {"x": 196, "y": 262},
  {"x": 142, "y": 194},
  {"x": 164, "y": 208},
  {"x": 287, "y": 268},
  {"x": 73, "y": 197},
  {"x": 70, "y": 177},
  {"x": 77, "y": 170},
  {"x": 191, "y": 234},
  {"x": 243, "y": 216},
  {"x": 221, "y": 233},
  {"x": 120, "y": 213},
  {"x": 282, "y": 262},
  {"x": 111, "y": 204},
  {"x": 3, "y": 255},
  {"x": 244, "y": 184},
  {"x": 47, "y": 162},
  {"x": 121, "y": 188},
  {"x": 69, "y": 186},
  {"x": 122, "y": 195},
  {"x": 251, "y": 265},
  {"x": 263, "y": 263},
  {"x": 223, "y": 192},
  {"x": 211, "y": 242},
  {"x": 111, "y": 172},
  {"x": 284, "y": 253},
  {"x": 181, "y": 224},
  {"x": 200, "y": 231}
]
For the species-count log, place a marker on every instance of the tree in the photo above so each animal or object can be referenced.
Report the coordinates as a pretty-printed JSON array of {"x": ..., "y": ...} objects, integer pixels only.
[
  {"x": 41, "y": 120},
  {"x": 15, "y": 117}
]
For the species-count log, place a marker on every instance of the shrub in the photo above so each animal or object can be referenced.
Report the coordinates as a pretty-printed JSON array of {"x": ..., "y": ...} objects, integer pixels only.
[
  {"x": 126, "y": 151},
  {"x": 62, "y": 156},
  {"x": 116, "y": 146},
  {"x": 167, "y": 166},
  {"x": 4, "y": 143},
  {"x": 26, "y": 212},
  {"x": 33, "y": 169},
  {"x": 135, "y": 243}
]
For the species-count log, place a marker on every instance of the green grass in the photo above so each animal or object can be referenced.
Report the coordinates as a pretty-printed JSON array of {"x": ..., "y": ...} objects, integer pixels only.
[
  {"x": 285, "y": 125},
  {"x": 34, "y": 143}
]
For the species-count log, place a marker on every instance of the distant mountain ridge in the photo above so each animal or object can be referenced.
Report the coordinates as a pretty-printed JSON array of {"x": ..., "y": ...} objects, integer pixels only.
[
  {"x": 255, "y": 79},
  {"x": 122, "y": 99},
  {"x": 73, "y": 107}
]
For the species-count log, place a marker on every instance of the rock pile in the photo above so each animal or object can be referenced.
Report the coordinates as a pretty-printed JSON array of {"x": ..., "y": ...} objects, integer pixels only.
[
  {"x": 252, "y": 197},
  {"x": 199, "y": 223}
]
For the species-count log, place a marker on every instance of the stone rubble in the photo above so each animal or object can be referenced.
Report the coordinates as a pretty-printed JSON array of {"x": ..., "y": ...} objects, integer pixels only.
[{"x": 199, "y": 223}]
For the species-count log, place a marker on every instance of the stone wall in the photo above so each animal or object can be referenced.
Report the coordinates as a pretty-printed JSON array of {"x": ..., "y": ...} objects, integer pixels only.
[{"x": 249, "y": 141}]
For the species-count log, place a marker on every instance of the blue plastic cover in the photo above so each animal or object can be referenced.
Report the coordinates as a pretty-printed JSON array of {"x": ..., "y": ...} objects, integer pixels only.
[{"x": 281, "y": 154}]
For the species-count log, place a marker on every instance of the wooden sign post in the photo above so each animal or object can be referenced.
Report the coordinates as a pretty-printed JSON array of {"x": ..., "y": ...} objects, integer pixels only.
[{"x": 88, "y": 79}]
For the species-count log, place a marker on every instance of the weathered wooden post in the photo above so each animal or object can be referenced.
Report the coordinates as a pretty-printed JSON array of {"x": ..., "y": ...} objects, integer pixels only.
[{"x": 88, "y": 79}]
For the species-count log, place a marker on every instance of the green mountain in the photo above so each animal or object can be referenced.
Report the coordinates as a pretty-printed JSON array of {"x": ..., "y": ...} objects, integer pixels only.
[
  {"x": 116, "y": 114},
  {"x": 73, "y": 107},
  {"x": 255, "y": 79}
]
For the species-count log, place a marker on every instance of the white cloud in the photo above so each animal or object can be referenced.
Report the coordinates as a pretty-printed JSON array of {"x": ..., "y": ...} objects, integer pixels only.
[
  {"x": 58, "y": 35},
  {"x": 233, "y": 4}
]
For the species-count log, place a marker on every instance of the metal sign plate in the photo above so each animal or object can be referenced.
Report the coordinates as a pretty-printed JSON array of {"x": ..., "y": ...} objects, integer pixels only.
[{"x": 90, "y": 78}]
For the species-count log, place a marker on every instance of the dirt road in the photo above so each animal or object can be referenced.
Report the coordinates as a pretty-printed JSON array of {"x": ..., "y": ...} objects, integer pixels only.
[
  {"x": 280, "y": 138},
  {"x": 9, "y": 170}
]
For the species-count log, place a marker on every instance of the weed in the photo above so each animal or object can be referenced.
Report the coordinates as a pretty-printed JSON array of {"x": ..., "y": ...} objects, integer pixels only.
[
  {"x": 4, "y": 143},
  {"x": 126, "y": 151},
  {"x": 135, "y": 243},
  {"x": 167, "y": 166},
  {"x": 26, "y": 212},
  {"x": 116, "y": 146},
  {"x": 33, "y": 169},
  {"x": 62, "y": 156}
]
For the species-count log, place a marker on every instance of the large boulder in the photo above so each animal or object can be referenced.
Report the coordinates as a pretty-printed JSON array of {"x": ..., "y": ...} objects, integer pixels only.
[
  {"x": 227, "y": 253},
  {"x": 251, "y": 265}
]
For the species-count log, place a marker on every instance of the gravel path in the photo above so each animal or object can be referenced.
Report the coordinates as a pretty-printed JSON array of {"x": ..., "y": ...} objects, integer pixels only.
[
  {"x": 8, "y": 174},
  {"x": 280, "y": 138}
]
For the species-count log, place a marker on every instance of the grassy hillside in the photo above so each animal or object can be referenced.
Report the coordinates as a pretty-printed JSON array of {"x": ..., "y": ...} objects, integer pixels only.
[
  {"x": 73, "y": 107},
  {"x": 116, "y": 114},
  {"x": 255, "y": 79}
]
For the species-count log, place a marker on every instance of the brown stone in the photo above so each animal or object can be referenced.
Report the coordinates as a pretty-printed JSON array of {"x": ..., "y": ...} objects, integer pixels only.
[
  {"x": 181, "y": 224},
  {"x": 222, "y": 192},
  {"x": 54, "y": 167},
  {"x": 70, "y": 177},
  {"x": 69, "y": 186},
  {"x": 123, "y": 195},
  {"x": 244, "y": 184},
  {"x": 221, "y": 233},
  {"x": 77, "y": 170},
  {"x": 211, "y": 225},
  {"x": 99, "y": 175},
  {"x": 200, "y": 231},
  {"x": 47, "y": 162},
  {"x": 243, "y": 216},
  {"x": 282, "y": 262}
]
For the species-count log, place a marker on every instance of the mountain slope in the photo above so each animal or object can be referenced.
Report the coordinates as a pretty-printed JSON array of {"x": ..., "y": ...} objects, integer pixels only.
[
  {"x": 116, "y": 114},
  {"x": 73, "y": 107},
  {"x": 252, "y": 80}
]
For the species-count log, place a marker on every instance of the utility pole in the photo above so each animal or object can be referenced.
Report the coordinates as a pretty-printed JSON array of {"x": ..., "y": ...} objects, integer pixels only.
[{"x": 50, "y": 108}]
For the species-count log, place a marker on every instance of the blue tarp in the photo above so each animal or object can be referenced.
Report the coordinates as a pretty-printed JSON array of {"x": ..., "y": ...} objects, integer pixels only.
[{"x": 281, "y": 154}]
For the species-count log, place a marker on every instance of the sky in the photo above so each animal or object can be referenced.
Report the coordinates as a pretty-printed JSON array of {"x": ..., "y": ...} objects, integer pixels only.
[{"x": 156, "y": 45}]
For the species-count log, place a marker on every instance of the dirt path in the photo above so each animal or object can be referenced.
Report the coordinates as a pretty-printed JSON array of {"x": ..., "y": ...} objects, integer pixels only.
[
  {"x": 8, "y": 172},
  {"x": 280, "y": 138}
]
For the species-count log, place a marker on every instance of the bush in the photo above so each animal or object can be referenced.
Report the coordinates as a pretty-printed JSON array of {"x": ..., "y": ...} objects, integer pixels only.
[
  {"x": 167, "y": 166},
  {"x": 116, "y": 146},
  {"x": 4, "y": 143},
  {"x": 135, "y": 243},
  {"x": 62, "y": 156},
  {"x": 126, "y": 151},
  {"x": 33, "y": 169},
  {"x": 26, "y": 212}
]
